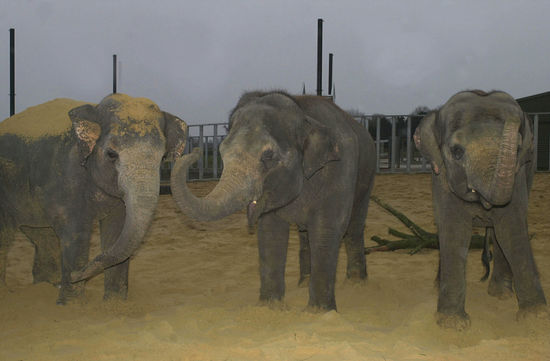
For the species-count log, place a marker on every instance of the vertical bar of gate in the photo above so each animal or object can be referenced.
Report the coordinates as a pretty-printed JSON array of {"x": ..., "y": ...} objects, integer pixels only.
[
  {"x": 393, "y": 145},
  {"x": 409, "y": 150},
  {"x": 536, "y": 139},
  {"x": 377, "y": 144},
  {"x": 206, "y": 162},
  {"x": 215, "y": 152},
  {"x": 201, "y": 150}
]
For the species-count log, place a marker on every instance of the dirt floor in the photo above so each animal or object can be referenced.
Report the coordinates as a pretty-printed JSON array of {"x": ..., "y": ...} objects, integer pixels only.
[{"x": 194, "y": 291}]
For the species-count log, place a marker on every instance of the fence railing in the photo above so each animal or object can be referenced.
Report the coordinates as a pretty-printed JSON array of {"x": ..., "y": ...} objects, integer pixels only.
[{"x": 392, "y": 134}]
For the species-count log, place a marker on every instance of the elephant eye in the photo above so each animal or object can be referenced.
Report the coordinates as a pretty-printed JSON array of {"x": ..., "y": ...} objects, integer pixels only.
[
  {"x": 111, "y": 154},
  {"x": 269, "y": 159},
  {"x": 457, "y": 151}
]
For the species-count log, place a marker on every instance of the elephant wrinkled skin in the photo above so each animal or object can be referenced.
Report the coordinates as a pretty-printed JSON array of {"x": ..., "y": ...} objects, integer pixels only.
[
  {"x": 292, "y": 159},
  {"x": 480, "y": 146},
  {"x": 102, "y": 163}
]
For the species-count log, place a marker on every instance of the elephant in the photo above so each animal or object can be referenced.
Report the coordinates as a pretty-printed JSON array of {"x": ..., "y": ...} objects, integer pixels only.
[
  {"x": 480, "y": 147},
  {"x": 292, "y": 160},
  {"x": 65, "y": 164}
]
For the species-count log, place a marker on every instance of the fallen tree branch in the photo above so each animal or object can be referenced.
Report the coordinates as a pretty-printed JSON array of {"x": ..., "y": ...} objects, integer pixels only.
[{"x": 418, "y": 240}]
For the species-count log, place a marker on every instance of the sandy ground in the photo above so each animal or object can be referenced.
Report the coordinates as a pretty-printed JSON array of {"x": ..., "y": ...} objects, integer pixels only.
[{"x": 194, "y": 291}]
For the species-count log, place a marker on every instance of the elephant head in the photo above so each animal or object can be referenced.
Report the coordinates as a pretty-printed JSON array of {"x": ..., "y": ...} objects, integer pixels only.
[
  {"x": 479, "y": 141},
  {"x": 121, "y": 143},
  {"x": 271, "y": 149}
]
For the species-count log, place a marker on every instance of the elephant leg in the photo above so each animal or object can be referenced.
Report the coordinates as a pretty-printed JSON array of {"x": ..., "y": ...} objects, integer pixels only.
[
  {"x": 47, "y": 254},
  {"x": 324, "y": 245},
  {"x": 513, "y": 239},
  {"x": 75, "y": 246},
  {"x": 500, "y": 284},
  {"x": 6, "y": 239},
  {"x": 355, "y": 243},
  {"x": 116, "y": 277},
  {"x": 305, "y": 259},
  {"x": 272, "y": 246},
  {"x": 454, "y": 240}
]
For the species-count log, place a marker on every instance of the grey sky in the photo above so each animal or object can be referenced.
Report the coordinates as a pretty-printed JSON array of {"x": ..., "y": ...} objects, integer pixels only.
[{"x": 195, "y": 58}]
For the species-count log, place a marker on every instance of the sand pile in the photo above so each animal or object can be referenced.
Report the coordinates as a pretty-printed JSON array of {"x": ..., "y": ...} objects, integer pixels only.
[
  {"x": 194, "y": 289},
  {"x": 50, "y": 118}
]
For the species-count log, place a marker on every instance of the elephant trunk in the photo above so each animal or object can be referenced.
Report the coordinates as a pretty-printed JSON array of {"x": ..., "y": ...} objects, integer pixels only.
[
  {"x": 503, "y": 178},
  {"x": 141, "y": 194},
  {"x": 234, "y": 191}
]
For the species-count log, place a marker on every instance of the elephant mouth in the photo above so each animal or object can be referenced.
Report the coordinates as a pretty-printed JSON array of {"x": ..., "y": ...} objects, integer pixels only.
[
  {"x": 473, "y": 195},
  {"x": 253, "y": 212}
]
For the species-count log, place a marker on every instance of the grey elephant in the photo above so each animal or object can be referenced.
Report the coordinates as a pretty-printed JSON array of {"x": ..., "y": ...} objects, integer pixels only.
[
  {"x": 480, "y": 146},
  {"x": 292, "y": 160},
  {"x": 60, "y": 172}
]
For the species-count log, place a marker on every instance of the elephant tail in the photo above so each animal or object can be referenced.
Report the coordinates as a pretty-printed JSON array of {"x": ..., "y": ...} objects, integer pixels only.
[{"x": 487, "y": 255}]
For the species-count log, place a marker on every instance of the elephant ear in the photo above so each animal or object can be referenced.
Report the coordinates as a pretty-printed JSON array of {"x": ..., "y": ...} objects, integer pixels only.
[
  {"x": 319, "y": 147},
  {"x": 526, "y": 150},
  {"x": 426, "y": 139},
  {"x": 86, "y": 129},
  {"x": 175, "y": 131}
]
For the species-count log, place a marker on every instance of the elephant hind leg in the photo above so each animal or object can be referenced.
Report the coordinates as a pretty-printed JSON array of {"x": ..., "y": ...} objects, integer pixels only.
[
  {"x": 6, "y": 239},
  {"x": 47, "y": 255},
  {"x": 305, "y": 259},
  {"x": 500, "y": 285},
  {"x": 354, "y": 239}
]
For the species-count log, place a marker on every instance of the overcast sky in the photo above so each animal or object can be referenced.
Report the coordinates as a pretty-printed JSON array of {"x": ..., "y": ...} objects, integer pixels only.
[{"x": 195, "y": 58}]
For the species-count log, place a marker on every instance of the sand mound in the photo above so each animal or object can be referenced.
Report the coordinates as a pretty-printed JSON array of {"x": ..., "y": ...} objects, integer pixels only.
[{"x": 50, "y": 118}]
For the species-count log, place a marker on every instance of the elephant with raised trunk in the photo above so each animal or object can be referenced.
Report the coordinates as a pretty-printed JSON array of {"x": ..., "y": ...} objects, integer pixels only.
[
  {"x": 64, "y": 164},
  {"x": 292, "y": 159},
  {"x": 480, "y": 146}
]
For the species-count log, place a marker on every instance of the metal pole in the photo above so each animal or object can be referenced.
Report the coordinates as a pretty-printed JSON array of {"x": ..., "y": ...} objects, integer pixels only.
[
  {"x": 215, "y": 152},
  {"x": 12, "y": 72},
  {"x": 409, "y": 150},
  {"x": 201, "y": 151},
  {"x": 536, "y": 139},
  {"x": 393, "y": 144},
  {"x": 319, "y": 56},
  {"x": 114, "y": 73},
  {"x": 330, "y": 57},
  {"x": 377, "y": 144}
]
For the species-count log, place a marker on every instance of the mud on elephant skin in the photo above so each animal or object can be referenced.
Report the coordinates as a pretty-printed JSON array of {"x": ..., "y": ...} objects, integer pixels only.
[
  {"x": 480, "y": 146},
  {"x": 292, "y": 159},
  {"x": 65, "y": 164}
]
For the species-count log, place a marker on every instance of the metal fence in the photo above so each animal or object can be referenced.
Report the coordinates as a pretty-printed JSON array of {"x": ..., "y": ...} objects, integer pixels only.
[{"x": 392, "y": 134}]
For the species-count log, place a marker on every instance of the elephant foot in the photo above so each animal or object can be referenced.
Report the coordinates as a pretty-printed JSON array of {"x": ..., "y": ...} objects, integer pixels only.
[
  {"x": 304, "y": 281},
  {"x": 69, "y": 292},
  {"x": 278, "y": 305},
  {"x": 357, "y": 274},
  {"x": 501, "y": 289},
  {"x": 115, "y": 295},
  {"x": 455, "y": 322},
  {"x": 539, "y": 311},
  {"x": 318, "y": 309}
]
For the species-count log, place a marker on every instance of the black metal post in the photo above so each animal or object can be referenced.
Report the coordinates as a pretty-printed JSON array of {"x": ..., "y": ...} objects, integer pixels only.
[
  {"x": 114, "y": 73},
  {"x": 12, "y": 72},
  {"x": 330, "y": 56},
  {"x": 319, "y": 56}
]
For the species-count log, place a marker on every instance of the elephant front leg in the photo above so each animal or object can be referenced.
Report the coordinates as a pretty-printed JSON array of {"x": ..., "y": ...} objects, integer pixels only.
[
  {"x": 512, "y": 237},
  {"x": 115, "y": 281},
  {"x": 454, "y": 240},
  {"x": 272, "y": 246}
]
